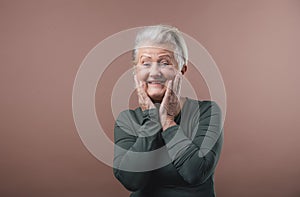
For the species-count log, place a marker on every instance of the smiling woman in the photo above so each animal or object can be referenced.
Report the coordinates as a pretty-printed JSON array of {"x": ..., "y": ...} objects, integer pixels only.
[
  {"x": 156, "y": 66},
  {"x": 170, "y": 127}
]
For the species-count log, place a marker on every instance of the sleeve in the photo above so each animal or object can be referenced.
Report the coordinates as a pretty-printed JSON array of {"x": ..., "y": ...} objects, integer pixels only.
[
  {"x": 133, "y": 141},
  {"x": 196, "y": 157}
]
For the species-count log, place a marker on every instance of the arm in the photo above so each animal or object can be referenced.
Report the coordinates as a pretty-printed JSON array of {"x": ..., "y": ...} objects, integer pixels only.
[
  {"x": 131, "y": 138},
  {"x": 195, "y": 159}
]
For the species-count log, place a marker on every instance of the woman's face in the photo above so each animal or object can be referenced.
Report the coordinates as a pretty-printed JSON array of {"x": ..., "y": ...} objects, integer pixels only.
[{"x": 155, "y": 66}]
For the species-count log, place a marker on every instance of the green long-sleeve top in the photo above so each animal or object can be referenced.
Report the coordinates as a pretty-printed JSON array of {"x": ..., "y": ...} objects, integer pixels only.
[{"x": 179, "y": 161}]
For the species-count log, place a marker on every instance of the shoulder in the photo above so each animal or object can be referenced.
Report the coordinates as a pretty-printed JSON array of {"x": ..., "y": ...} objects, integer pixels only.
[
  {"x": 126, "y": 123},
  {"x": 129, "y": 115},
  {"x": 130, "y": 118},
  {"x": 128, "y": 112}
]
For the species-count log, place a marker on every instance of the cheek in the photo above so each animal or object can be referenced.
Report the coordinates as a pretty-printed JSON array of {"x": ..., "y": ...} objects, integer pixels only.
[
  {"x": 141, "y": 75},
  {"x": 169, "y": 74}
]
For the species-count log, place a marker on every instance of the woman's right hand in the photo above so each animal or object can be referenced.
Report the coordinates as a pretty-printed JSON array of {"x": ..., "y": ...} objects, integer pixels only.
[{"x": 144, "y": 100}]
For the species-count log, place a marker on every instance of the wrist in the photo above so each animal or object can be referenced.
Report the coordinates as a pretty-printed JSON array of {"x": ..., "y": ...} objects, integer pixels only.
[{"x": 167, "y": 124}]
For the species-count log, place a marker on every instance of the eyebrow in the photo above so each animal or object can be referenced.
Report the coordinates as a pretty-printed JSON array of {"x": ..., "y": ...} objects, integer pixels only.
[
  {"x": 165, "y": 55},
  {"x": 145, "y": 55},
  {"x": 159, "y": 56}
]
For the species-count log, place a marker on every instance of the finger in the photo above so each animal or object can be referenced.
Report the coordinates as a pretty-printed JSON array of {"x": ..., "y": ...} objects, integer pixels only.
[
  {"x": 178, "y": 84},
  {"x": 170, "y": 85},
  {"x": 174, "y": 87},
  {"x": 136, "y": 81},
  {"x": 166, "y": 96},
  {"x": 167, "y": 102},
  {"x": 143, "y": 89},
  {"x": 167, "y": 93},
  {"x": 140, "y": 86},
  {"x": 140, "y": 93},
  {"x": 145, "y": 96},
  {"x": 144, "y": 85},
  {"x": 169, "y": 89},
  {"x": 139, "y": 89}
]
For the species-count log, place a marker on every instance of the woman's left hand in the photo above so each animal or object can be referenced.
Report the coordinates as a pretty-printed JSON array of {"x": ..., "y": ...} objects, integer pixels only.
[{"x": 170, "y": 105}]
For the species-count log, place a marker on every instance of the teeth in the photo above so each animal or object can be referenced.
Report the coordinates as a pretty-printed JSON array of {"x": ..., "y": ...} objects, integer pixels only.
[{"x": 155, "y": 82}]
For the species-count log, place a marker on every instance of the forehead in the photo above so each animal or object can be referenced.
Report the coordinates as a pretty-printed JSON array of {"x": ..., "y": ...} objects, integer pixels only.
[{"x": 154, "y": 52}]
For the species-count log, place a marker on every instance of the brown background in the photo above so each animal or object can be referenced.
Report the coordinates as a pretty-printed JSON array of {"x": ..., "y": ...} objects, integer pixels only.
[{"x": 256, "y": 45}]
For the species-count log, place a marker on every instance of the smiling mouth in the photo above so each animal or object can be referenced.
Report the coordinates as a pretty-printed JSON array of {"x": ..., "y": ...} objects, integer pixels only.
[{"x": 156, "y": 83}]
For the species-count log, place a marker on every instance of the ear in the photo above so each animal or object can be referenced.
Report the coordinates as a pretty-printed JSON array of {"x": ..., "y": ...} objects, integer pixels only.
[{"x": 184, "y": 69}]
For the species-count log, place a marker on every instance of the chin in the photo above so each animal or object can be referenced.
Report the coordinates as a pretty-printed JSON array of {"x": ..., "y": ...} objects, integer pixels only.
[{"x": 156, "y": 97}]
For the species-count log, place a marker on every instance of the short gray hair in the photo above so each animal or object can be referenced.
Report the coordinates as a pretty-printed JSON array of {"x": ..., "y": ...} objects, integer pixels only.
[{"x": 161, "y": 35}]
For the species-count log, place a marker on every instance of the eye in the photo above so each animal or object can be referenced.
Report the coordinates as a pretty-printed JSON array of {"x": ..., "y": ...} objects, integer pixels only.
[
  {"x": 146, "y": 64},
  {"x": 164, "y": 63}
]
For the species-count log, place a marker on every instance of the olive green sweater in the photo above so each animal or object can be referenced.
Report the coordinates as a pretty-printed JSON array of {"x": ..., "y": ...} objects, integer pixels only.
[{"x": 179, "y": 161}]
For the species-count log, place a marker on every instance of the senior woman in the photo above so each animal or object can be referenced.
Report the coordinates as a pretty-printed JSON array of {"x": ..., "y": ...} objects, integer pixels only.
[{"x": 170, "y": 145}]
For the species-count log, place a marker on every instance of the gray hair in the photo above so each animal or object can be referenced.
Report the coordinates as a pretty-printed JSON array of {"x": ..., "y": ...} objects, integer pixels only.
[{"x": 163, "y": 35}]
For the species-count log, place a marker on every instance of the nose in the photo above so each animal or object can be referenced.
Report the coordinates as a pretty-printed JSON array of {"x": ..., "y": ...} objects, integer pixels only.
[{"x": 155, "y": 70}]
